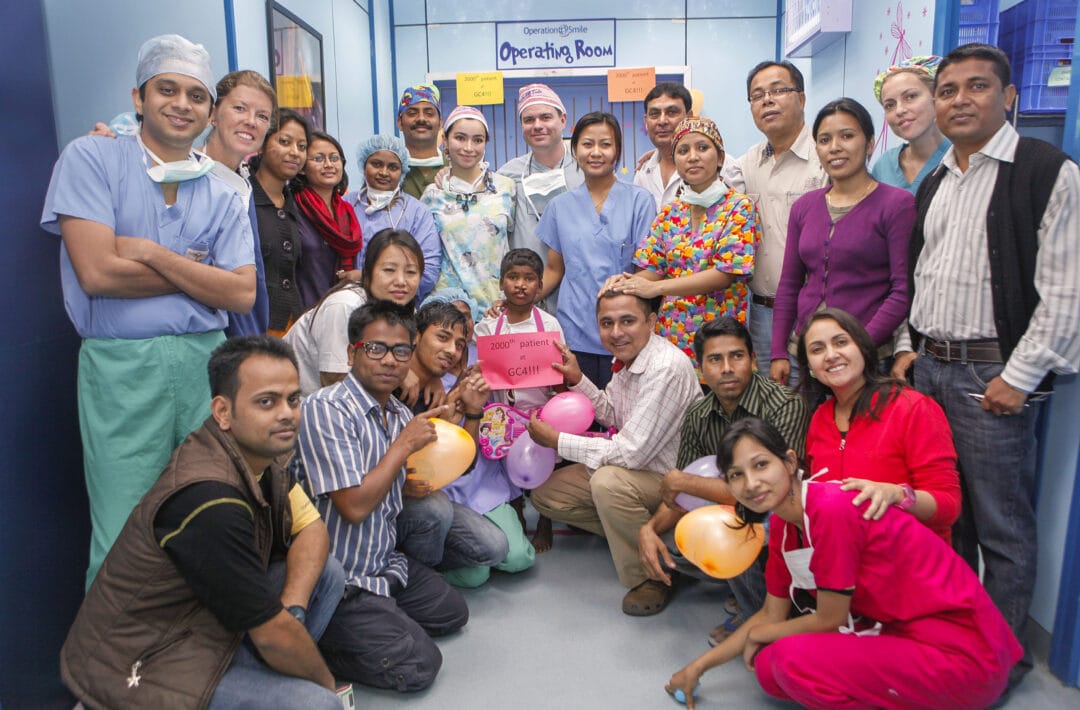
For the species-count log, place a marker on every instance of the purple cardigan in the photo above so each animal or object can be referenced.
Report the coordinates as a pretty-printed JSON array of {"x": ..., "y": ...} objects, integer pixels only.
[{"x": 867, "y": 264}]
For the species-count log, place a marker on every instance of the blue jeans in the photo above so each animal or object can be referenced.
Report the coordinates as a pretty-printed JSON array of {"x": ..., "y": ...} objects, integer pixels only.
[
  {"x": 759, "y": 323},
  {"x": 249, "y": 682},
  {"x": 997, "y": 457},
  {"x": 445, "y": 535}
]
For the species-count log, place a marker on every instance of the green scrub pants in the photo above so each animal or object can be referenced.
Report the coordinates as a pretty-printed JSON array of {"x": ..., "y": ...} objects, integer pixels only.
[
  {"x": 520, "y": 557},
  {"x": 138, "y": 399}
]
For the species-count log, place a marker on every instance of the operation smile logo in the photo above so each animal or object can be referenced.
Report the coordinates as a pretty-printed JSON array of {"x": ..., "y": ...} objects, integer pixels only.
[{"x": 567, "y": 45}]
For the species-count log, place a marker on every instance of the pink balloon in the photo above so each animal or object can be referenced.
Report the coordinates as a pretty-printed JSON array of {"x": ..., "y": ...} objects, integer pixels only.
[
  {"x": 529, "y": 464},
  {"x": 568, "y": 412},
  {"x": 704, "y": 467}
]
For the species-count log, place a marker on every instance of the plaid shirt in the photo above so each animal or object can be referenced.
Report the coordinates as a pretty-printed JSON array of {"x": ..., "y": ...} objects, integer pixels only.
[{"x": 645, "y": 402}]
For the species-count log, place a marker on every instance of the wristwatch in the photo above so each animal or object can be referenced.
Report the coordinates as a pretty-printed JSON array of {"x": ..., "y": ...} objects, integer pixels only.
[
  {"x": 299, "y": 612},
  {"x": 909, "y": 497}
]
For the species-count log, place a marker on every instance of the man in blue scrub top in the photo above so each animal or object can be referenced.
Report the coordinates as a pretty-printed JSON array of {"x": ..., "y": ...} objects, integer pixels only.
[{"x": 154, "y": 254}]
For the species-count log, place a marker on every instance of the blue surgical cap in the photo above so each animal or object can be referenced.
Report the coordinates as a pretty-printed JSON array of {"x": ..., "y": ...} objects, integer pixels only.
[
  {"x": 385, "y": 142},
  {"x": 449, "y": 295}
]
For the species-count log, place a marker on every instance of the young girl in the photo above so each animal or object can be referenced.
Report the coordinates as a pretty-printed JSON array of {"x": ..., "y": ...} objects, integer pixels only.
[
  {"x": 901, "y": 620},
  {"x": 330, "y": 235},
  {"x": 473, "y": 208},
  {"x": 521, "y": 280},
  {"x": 282, "y": 157}
]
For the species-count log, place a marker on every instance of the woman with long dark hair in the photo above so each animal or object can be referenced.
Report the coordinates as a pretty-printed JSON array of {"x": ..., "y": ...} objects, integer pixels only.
[
  {"x": 847, "y": 243},
  {"x": 875, "y": 434},
  {"x": 901, "y": 621},
  {"x": 393, "y": 266},
  {"x": 330, "y": 234}
]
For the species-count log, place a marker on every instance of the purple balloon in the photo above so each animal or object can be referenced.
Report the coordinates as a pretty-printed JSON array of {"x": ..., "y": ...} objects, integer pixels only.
[
  {"x": 568, "y": 412},
  {"x": 704, "y": 467},
  {"x": 528, "y": 464}
]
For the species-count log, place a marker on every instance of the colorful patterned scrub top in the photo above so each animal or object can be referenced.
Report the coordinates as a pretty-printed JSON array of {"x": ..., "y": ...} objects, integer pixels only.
[
  {"x": 474, "y": 230},
  {"x": 725, "y": 239}
]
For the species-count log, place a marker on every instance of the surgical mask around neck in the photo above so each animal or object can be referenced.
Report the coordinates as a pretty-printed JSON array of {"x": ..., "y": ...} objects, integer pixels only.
[
  {"x": 378, "y": 199},
  {"x": 434, "y": 161},
  {"x": 196, "y": 165},
  {"x": 711, "y": 195}
]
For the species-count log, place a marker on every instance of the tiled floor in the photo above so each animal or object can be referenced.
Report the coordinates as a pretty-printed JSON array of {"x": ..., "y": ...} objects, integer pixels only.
[{"x": 555, "y": 637}]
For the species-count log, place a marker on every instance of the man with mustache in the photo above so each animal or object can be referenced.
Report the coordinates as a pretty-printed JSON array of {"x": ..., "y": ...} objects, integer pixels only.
[
  {"x": 725, "y": 354},
  {"x": 666, "y": 105},
  {"x": 995, "y": 311},
  {"x": 219, "y": 584},
  {"x": 542, "y": 174},
  {"x": 420, "y": 121}
]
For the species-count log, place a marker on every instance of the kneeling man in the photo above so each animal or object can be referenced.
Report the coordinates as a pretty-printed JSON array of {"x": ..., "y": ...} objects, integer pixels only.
[
  {"x": 354, "y": 442},
  {"x": 219, "y": 583},
  {"x": 615, "y": 487}
]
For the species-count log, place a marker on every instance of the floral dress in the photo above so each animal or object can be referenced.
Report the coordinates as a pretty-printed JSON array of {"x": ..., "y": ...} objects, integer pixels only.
[{"x": 725, "y": 239}]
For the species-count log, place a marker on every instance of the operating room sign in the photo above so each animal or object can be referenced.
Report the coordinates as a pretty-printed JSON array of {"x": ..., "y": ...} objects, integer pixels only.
[{"x": 555, "y": 44}]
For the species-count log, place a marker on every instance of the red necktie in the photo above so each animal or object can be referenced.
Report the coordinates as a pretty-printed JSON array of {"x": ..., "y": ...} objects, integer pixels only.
[{"x": 617, "y": 365}]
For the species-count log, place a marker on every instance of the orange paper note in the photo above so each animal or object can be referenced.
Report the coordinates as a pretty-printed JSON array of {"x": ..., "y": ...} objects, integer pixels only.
[{"x": 630, "y": 84}]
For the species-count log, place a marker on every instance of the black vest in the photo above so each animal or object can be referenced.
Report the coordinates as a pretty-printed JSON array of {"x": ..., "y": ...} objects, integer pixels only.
[{"x": 1021, "y": 193}]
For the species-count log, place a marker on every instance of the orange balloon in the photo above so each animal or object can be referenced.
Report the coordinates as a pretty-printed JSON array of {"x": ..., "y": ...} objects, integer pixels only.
[
  {"x": 445, "y": 459},
  {"x": 709, "y": 537}
]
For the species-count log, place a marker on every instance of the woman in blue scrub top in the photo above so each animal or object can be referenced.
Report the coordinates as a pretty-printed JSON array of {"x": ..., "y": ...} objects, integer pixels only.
[
  {"x": 906, "y": 92},
  {"x": 283, "y": 155},
  {"x": 591, "y": 232}
]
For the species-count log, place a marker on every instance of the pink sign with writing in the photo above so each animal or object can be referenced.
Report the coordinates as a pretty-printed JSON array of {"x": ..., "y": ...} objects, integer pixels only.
[{"x": 519, "y": 360}]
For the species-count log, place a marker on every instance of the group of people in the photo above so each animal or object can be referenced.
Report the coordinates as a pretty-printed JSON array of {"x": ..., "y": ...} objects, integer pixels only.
[{"x": 863, "y": 351}]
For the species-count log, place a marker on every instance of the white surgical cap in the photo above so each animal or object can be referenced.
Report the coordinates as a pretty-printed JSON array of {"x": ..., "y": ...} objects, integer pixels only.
[{"x": 172, "y": 54}]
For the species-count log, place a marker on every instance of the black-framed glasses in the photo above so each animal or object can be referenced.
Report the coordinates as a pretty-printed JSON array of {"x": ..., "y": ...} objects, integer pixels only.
[
  {"x": 771, "y": 93},
  {"x": 320, "y": 158},
  {"x": 377, "y": 351}
]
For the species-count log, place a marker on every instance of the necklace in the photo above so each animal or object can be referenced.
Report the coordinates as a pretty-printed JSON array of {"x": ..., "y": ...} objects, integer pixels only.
[
  {"x": 870, "y": 186},
  {"x": 599, "y": 204}
]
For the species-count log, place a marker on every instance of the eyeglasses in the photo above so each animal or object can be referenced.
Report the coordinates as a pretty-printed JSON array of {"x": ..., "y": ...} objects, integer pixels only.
[
  {"x": 377, "y": 351},
  {"x": 320, "y": 158},
  {"x": 771, "y": 93}
]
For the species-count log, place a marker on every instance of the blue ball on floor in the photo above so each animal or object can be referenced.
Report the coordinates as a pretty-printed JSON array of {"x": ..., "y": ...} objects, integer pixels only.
[{"x": 681, "y": 696}]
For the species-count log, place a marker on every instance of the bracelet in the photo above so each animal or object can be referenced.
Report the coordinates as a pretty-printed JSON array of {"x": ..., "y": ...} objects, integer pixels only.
[{"x": 474, "y": 417}]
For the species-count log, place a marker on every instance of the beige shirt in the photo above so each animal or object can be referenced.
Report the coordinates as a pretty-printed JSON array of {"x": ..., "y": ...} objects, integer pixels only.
[{"x": 774, "y": 182}]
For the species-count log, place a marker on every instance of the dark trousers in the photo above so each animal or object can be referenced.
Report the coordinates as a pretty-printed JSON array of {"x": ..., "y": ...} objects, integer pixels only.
[{"x": 385, "y": 642}]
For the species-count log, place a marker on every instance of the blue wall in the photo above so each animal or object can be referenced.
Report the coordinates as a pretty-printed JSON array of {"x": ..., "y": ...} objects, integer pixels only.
[{"x": 43, "y": 514}]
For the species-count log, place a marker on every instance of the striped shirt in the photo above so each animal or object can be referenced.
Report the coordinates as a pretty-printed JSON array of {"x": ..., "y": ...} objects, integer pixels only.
[
  {"x": 706, "y": 422},
  {"x": 953, "y": 299},
  {"x": 342, "y": 437},
  {"x": 645, "y": 401}
]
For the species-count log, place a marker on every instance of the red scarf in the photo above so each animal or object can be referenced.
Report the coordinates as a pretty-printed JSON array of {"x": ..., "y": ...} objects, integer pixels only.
[{"x": 340, "y": 230}]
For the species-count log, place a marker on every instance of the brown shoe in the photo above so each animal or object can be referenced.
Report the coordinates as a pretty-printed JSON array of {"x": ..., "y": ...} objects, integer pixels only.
[{"x": 648, "y": 598}]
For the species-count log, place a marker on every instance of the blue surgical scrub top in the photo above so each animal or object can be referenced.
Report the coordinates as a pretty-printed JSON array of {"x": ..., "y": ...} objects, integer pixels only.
[
  {"x": 104, "y": 180},
  {"x": 593, "y": 247},
  {"x": 887, "y": 168}
]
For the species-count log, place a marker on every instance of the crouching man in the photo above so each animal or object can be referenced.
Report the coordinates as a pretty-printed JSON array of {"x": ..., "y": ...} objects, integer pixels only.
[{"x": 219, "y": 583}]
